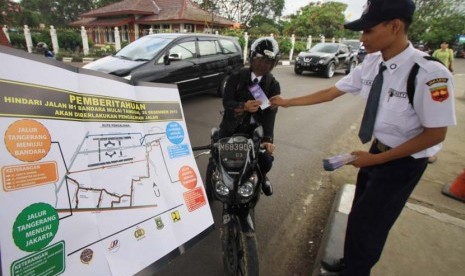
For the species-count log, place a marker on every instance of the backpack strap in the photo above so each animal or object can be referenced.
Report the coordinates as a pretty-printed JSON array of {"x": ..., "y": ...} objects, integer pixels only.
[
  {"x": 413, "y": 75},
  {"x": 411, "y": 83}
]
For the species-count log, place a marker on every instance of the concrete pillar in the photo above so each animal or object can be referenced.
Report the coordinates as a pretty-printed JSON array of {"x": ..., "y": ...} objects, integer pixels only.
[
  {"x": 292, "y": 47},
  {"x": 309, "y": 42},
  {"x": 150, "y": 31},
  {"x": 333, "y": 40},
  {"x": 27, "y": 36},
  {"x": 323, "y": 39},
  {"x": 85, "y": 41},
  {"x": 54, "y": 37},
  {"x": 117, "y": 39},
  {"x": 246, "y": 46},
  {"x": 5, "y": 30},
  {"x": 136, "y": 31}
]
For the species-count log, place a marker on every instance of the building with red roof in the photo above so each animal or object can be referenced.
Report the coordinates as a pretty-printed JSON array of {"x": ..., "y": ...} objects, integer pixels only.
[{"x": 135, "y": 18}]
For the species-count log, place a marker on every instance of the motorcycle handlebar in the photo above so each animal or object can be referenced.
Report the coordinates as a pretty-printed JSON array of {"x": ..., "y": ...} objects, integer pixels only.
[{"x": 201, "y": 147}]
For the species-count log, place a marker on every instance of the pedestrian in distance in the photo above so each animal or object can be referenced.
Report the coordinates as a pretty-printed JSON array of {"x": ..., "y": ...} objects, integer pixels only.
[
  {"x": 239, "y": 103},
  {"x": 406, "y": 128},
  {"x": 445, "y": 55}
]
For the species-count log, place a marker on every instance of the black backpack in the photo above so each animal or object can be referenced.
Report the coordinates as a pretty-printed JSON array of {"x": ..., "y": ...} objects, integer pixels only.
[{"x": 412, "y": 76}]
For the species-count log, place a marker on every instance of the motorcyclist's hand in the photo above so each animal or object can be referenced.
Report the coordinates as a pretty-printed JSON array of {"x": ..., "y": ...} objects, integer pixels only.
[
  {"x": 269, "y": 147},
  {"x": 252, "y": 106},
  {"x": 364, "y": 159},
  {"x": 278, "y": 101}
]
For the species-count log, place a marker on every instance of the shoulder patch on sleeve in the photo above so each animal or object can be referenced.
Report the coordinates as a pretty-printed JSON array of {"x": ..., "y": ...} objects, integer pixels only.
[{"x": 439, "y": 93}]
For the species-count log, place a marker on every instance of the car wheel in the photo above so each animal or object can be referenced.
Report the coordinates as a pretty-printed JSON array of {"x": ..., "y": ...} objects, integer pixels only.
[
  {"x": 222, "y": 87},
  {"x": 352, "y": 66},
  {"x": 329, "y": 72},
  {"x": 298, "y": 71}
]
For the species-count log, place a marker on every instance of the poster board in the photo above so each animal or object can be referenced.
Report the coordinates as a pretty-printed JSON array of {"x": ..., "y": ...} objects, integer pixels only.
[{"x": 97, "y": 174}]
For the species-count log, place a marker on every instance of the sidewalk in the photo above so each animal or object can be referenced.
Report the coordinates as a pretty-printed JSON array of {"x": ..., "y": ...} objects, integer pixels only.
[{"x": 429, "y": 236}]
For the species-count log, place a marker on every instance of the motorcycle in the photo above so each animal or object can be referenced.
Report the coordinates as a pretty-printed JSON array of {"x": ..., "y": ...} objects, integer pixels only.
[{"x": 234, "y": 178}]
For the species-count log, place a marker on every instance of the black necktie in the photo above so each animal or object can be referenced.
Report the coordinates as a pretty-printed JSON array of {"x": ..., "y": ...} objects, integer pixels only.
[
  {"x": 369, "y": 116},
  {"x": 255, "y": 80}
]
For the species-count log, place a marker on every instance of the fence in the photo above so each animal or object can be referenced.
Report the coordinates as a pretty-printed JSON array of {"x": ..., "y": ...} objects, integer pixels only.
[{"x": 115, "y": 38}]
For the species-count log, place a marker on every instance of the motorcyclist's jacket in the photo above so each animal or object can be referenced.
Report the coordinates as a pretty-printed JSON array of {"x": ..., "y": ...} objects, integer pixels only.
[{"x": 236, "y": 94}]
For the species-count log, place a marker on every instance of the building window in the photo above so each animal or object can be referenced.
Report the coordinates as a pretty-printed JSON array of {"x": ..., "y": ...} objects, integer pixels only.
[
  {"x": 109, "y": 35},
  {"x": 189, "y": 28}
]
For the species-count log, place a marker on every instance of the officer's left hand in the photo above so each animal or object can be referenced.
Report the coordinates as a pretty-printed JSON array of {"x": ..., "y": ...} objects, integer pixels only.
[{"x": 364, "y": 159}]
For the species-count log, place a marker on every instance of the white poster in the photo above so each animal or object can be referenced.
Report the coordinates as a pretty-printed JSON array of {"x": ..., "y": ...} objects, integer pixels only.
[{"x": 97, "y": 175}]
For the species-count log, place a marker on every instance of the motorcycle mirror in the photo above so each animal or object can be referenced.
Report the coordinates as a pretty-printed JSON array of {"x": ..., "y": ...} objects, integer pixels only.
[{"x": 258, "y": 132}]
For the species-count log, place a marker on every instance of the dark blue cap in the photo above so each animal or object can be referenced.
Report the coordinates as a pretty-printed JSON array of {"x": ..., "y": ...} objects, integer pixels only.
[{"x": 378, "y": 11}]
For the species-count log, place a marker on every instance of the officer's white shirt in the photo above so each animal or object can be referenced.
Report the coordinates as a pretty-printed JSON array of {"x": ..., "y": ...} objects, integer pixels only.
[{"x": 397, "y": 121}]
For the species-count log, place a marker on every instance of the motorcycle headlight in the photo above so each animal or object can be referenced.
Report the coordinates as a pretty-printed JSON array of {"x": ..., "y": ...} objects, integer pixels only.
[
  {"x": 221, "y": 189},
  {"x": 248, "y": 187}
]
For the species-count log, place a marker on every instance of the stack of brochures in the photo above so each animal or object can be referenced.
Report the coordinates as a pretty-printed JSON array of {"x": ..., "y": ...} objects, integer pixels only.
[
  {"x": 259, "y": 94},
  {"x": 335, "y": 162}
]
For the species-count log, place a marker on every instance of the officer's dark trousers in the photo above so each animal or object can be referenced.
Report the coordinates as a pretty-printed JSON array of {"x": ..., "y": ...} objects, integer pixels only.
[{"x": 380, "y": 195}]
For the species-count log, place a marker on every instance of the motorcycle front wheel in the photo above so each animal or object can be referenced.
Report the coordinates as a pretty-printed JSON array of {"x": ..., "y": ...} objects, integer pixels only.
[{"x": 240, "y": 255}]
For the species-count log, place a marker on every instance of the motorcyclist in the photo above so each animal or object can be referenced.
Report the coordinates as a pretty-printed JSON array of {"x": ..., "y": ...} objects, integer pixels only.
[
  {"x": 239, "y": 104},
  {"x": 42, "y": 48}
]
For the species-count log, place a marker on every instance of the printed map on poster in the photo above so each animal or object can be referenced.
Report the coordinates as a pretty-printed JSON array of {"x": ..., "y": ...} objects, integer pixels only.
[{"x": 98, "y": 176}]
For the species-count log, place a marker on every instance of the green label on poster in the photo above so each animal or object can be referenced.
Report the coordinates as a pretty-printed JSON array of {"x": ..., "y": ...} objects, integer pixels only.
[
  {"x": 48, "y": 262},
  {"x": 35, "y": 227}
]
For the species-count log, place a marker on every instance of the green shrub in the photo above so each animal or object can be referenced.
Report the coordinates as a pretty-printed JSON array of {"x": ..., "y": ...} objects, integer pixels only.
[
  {"x": 69, "y": 40},
  {"x": 17, "y": 40},
  {"x": 41, "y": 36},
  {"x": 285, "y": 46}
]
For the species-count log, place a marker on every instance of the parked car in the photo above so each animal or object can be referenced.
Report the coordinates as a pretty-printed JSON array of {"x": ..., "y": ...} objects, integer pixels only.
[
  {"x": 326, "y": 58},
  {"x": 357, "y": 47},
  {"x": 197, "y": 63}
]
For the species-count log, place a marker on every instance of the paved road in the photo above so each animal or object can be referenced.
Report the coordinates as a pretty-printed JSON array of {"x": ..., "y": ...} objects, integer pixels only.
[{"x": 289, "y": 224}]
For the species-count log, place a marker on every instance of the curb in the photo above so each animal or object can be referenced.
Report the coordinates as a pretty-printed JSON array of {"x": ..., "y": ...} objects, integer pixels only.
[{"x": 332, "y": 242}]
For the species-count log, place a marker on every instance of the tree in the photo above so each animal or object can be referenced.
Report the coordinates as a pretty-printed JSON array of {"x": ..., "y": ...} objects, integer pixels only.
[
  {"x": 102, "y": 3},
  {"x": 437, "y": 20},
  {"x": 260, "y": 25},
  {"x": 243, "y": 11},
  {"x": 9, "y": 12},
  {"x": 318, "y": 19},
  {"x": 57, "y": 12}
]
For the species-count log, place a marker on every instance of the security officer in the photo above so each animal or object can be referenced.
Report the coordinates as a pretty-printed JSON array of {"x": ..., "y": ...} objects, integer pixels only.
[
  {"x": 405, "y": 134},
  {"x": 239, "y": 104}
]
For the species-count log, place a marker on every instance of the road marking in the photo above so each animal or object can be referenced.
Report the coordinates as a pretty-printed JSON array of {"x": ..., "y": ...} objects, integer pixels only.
[{"x": 436, "y": 215}]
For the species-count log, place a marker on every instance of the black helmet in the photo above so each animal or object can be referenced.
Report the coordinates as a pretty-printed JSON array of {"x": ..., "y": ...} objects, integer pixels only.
[{"x": 265, "y": 47}]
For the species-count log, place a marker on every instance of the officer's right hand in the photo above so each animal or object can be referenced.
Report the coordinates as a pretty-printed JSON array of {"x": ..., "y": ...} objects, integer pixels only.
[
  {"x": 278, "y": 101},
  {"x": 252, "y": 106}
]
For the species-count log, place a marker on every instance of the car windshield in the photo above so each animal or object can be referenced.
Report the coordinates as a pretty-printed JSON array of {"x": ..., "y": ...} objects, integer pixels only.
[
  {"x": 354, "y": 44},
  {"x": 145, "y": 48},
  {"x": 324, "y": 48}
]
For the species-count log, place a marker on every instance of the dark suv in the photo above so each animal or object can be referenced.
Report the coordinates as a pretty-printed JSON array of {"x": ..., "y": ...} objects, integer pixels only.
[
  {"x": 197, "y": 63},
  {"x": 356, "y": 46},
  {"x": 326, "y": 58}
]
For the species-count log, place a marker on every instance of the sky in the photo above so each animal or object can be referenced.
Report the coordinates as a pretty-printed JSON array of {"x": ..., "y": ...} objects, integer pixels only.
[{"x": 354, "y": 9}]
